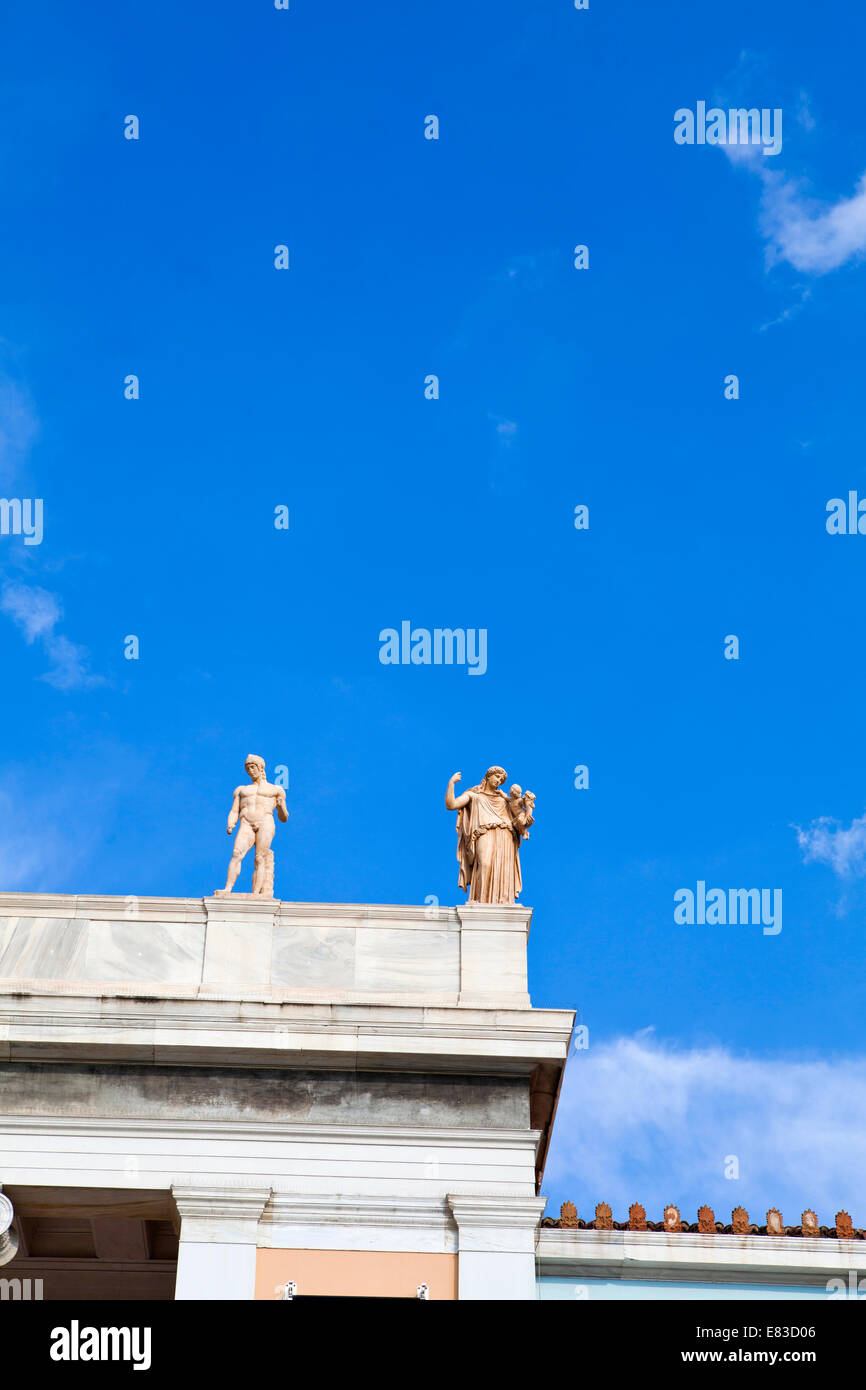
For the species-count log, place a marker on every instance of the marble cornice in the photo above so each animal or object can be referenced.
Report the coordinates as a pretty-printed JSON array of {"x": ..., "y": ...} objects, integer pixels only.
[
  {"x": 64, "y": 1028},
  {"x": 409, "y": 1136},
  {"x": 117, "y": 907}
]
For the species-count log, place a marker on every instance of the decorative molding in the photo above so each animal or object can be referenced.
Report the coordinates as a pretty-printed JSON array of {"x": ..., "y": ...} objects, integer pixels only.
[
  {"x": 282, "y": 1131},
  {"x": 227, "y": 1214},
  {"x": 568, "y": 1215},
  {"x": 34, "y": 1265},
  {"x": 350, "y": 1017},
  {"x": 603, "y": 1217},
  {"x": 299, "y": 1209},
  {"x": 495, "y": 1212},
  {"x": 224, "y": 1203},
  {"x": 706, "y": 1221},
  {"x": 114, "y": 907},
  {"x": 672, "y": 1218},
  {"x": 495, "y": 917},
  {"x": 636, "y": 1217},
  {"x": 155, "y": 1027},
  {"x": 100, "y": 907}
]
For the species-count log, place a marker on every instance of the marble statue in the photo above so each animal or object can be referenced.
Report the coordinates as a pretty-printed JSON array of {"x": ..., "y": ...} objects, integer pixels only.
[
  {"x": 253, "y": 812},
  {"x": 490, "y": 826}
]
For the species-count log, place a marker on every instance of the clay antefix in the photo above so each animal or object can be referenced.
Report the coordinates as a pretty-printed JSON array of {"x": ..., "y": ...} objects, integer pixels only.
[
  {"x": 490, "y": 826},
  {"x": 253, "y": 812}
]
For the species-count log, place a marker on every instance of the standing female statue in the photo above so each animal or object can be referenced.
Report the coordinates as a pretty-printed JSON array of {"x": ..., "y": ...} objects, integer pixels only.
[{"x": 490, "y": 827}]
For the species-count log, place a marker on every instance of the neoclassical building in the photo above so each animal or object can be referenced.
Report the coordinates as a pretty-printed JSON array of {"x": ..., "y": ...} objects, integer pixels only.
[
  {"x": 242, "y": 1098},
  {"x": 220, "y": 1097}
]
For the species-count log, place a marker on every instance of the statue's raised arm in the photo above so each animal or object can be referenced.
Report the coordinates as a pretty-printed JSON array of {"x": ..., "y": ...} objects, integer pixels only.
[{"x": 452, "y": 802}]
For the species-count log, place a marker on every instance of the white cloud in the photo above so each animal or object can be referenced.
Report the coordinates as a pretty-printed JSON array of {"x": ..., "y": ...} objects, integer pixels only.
[
  {"x": 37, "y": 612},
  {"x": 645, "y": 1121},
  {"x": 826, "y": 841},
  {"x": 69, "y": 666},
  {"x": 812, "y": 236}
]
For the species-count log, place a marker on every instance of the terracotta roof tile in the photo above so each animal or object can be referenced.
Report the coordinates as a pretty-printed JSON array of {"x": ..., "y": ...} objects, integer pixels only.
[{"x": 706, "y": 1223}]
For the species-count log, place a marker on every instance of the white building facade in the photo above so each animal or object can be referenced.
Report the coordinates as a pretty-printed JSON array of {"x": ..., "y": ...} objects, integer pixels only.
[
  {"x": 219, "y": 1098},
  {"x": 239, "y": 1098}
]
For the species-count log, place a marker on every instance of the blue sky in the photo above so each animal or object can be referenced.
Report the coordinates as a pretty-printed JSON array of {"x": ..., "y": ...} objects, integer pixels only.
[{"x": 558, "y": 387}]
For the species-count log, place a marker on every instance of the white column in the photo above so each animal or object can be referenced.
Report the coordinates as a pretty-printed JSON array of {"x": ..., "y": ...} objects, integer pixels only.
[
  {"x": 496, "y": 1246},
  {"x": 218, "y": 1233}
]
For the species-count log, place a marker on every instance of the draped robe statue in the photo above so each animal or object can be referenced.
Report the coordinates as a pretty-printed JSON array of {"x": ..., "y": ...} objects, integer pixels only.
[{"x": 490, "y": 827}]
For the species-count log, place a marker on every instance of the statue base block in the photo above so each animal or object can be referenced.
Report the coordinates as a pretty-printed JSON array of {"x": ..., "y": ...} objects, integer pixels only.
[
  {"x": 243, "y": 897},
  {"x": 493, "y": 941}
]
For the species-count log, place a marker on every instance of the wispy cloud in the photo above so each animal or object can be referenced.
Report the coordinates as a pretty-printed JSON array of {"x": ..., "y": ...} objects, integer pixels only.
[
  {"x": 787, "y": 314},
  {"x": 19, "y": 427},
  {"x": 641, "y": 1120},
  {"x": 505, "y": 429},
  {"x": 827, "y": 841},
  {"x": 56, "y": 830},
  {"x": 803, "y": 112},
  {"x": 36, "y": 612}
]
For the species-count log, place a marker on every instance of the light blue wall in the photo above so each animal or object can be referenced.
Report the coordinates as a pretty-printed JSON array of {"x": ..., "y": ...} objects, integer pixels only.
[{"x": 553, "y": 1288}]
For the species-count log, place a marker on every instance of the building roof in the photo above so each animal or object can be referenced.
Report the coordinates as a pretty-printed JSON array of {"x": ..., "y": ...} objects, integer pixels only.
[{"x": 706, "y": 1224}]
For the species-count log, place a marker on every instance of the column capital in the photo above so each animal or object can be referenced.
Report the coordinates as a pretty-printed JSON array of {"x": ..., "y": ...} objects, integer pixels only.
[
  {"x": 211, "y": 1213},
  {"x": 497, "y": 1223},
  {"x": 496, "y": 1239}
]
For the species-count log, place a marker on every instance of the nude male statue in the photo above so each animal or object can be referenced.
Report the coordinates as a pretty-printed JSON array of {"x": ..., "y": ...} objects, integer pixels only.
[{"x": 254, "y": 807}]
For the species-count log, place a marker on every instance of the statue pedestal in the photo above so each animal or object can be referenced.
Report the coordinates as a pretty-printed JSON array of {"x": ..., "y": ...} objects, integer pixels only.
[
  {"x": 239, "y": 940},
  {"x": 493, "y": 941},
  {"x": 234, "y": 897}
]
